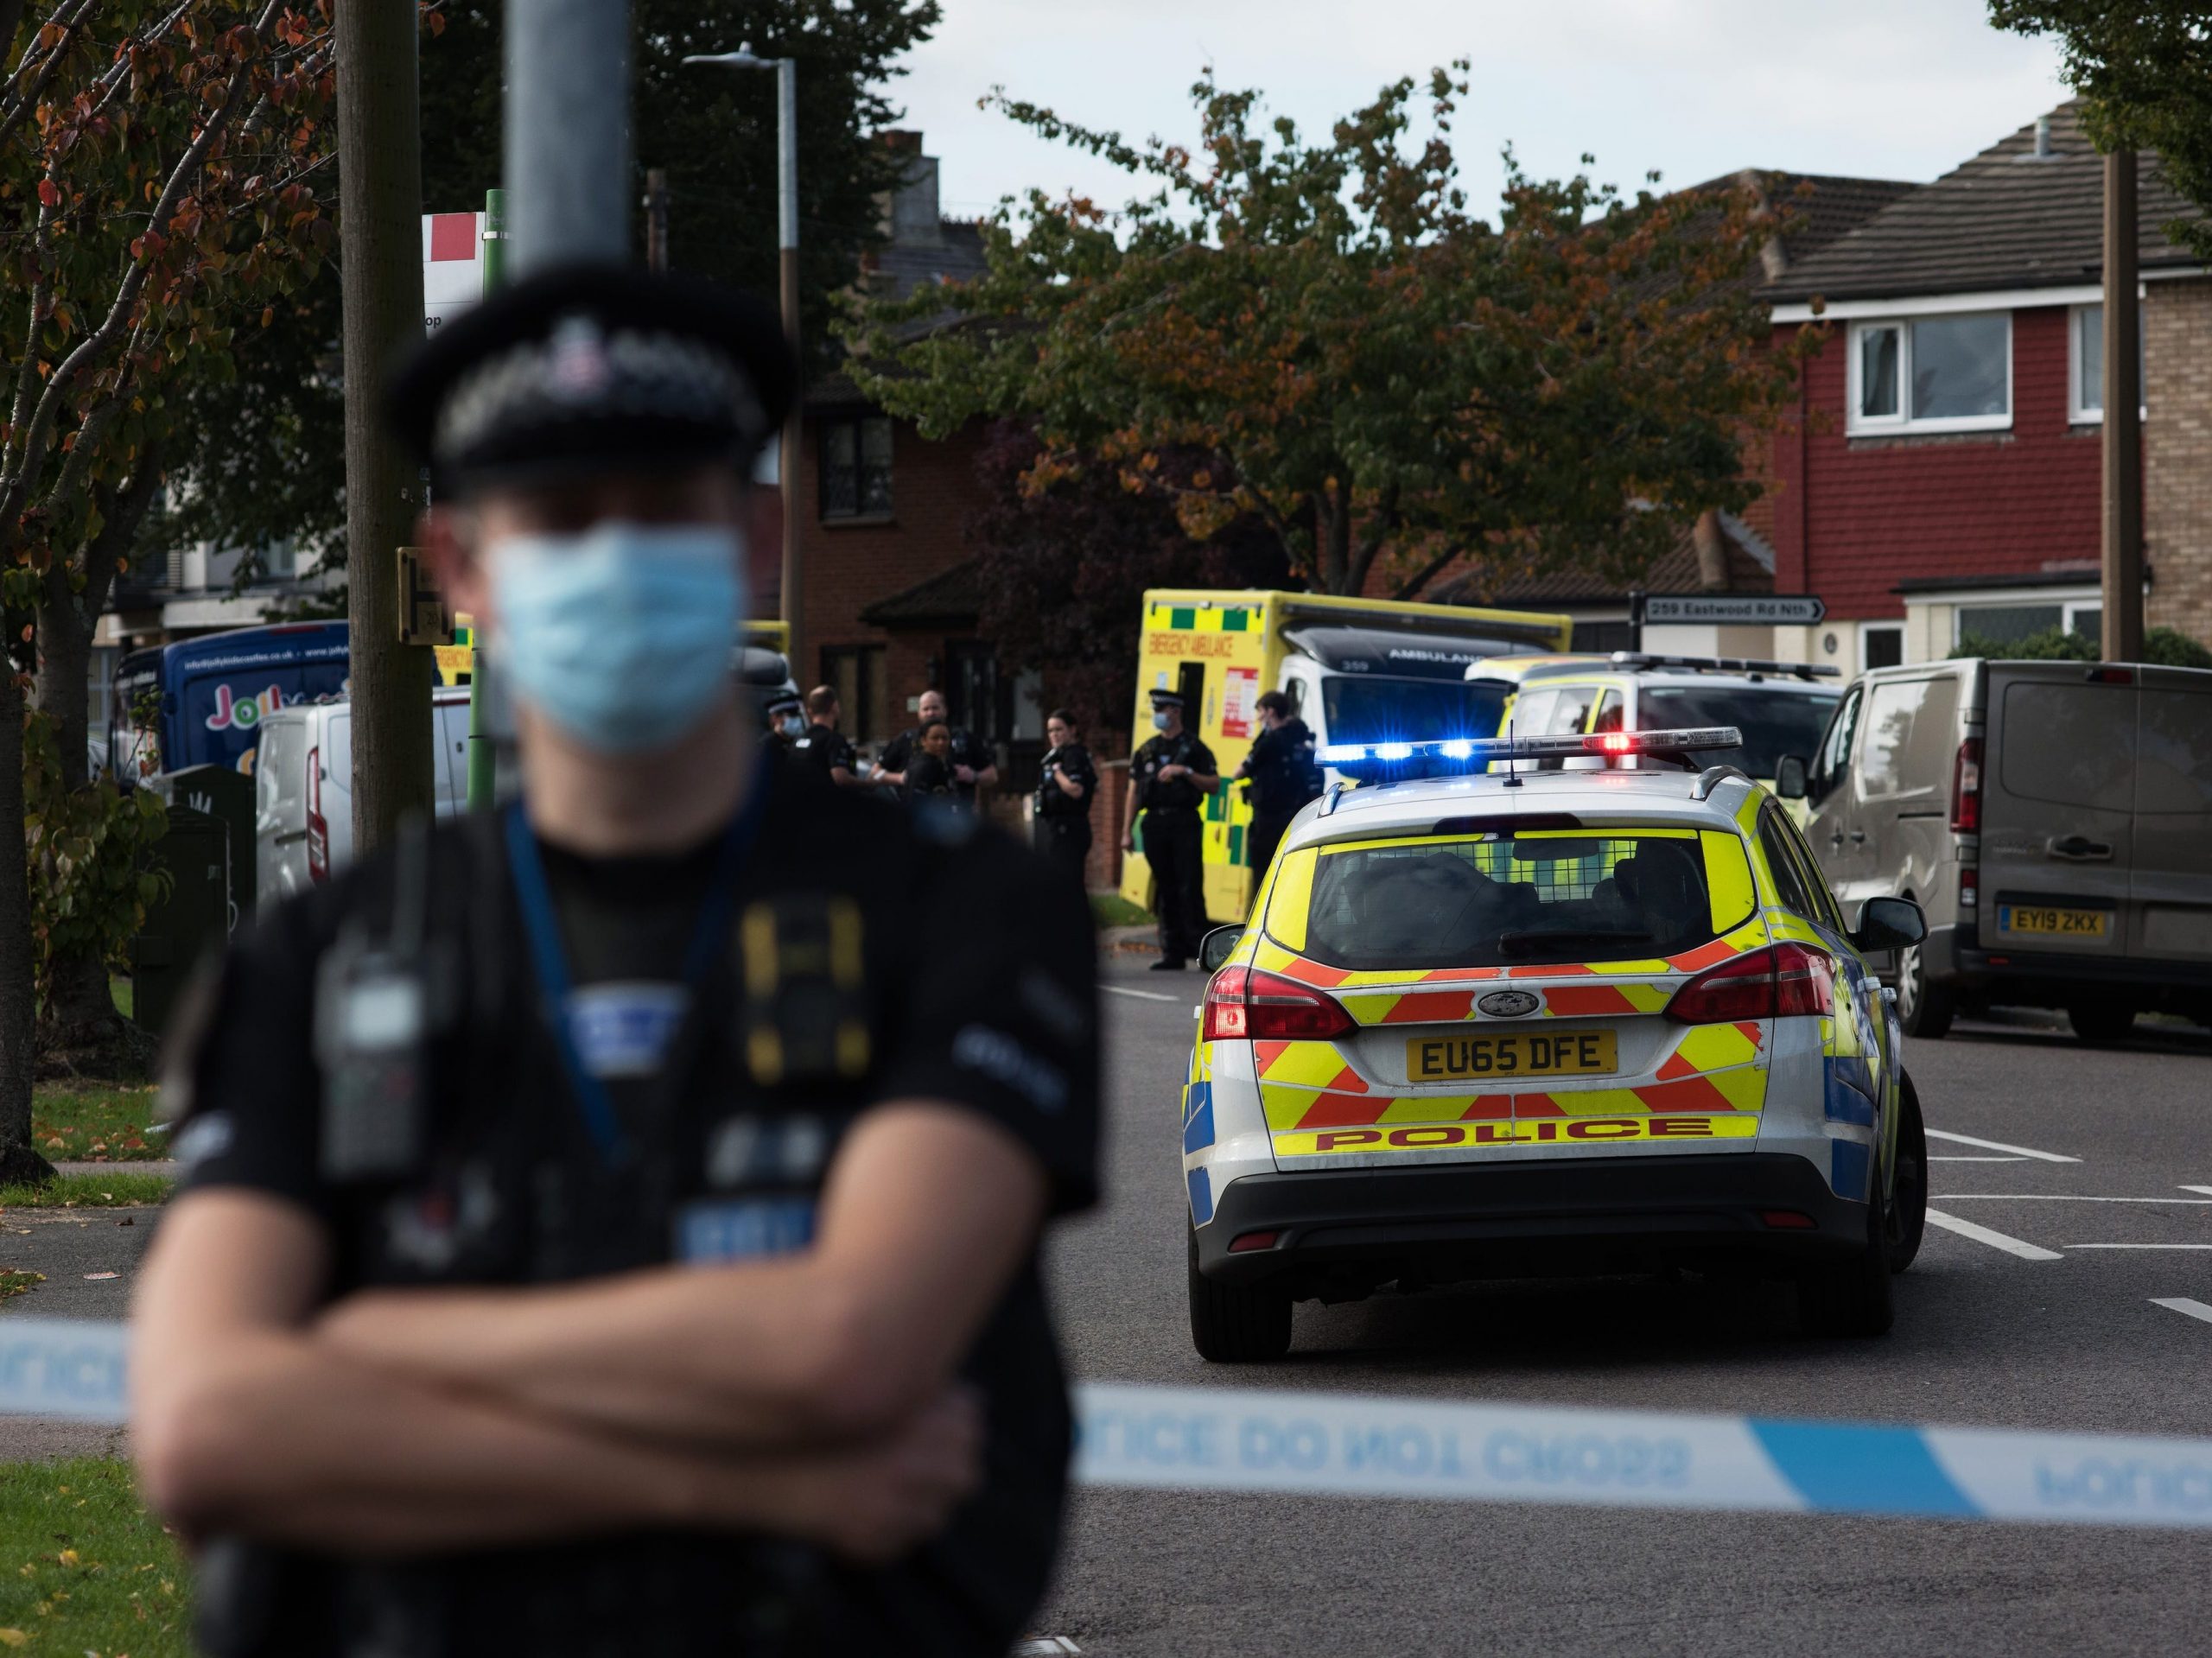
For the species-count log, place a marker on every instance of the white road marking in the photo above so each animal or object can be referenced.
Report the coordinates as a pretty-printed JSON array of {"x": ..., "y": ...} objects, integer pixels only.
[
  {"x": 1994, "y": 1239},
  {"x": 2140, "y": 1246},
  {"x": 1142, "y": 995},
  {"x": 2064, "y": 1197},
  {"x": 1999, "y": 1146},
  {"x": 1933, "y": 1159},
  {"x": 2182, "y": 1304},
  {"x": 2207, "y": 1190}
]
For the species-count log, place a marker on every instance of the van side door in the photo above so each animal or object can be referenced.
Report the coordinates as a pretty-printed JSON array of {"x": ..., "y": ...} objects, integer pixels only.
[
  {"x": 1830, "y": 822},
  {"x": 2170, "y": 886}
]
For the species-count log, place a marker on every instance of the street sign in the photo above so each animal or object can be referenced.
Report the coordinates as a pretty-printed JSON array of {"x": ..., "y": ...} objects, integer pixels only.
[
  {"x": 453, "y": 266},
  {"x": 423, "y": 618},
  {"x": 1777, "y": 609}
]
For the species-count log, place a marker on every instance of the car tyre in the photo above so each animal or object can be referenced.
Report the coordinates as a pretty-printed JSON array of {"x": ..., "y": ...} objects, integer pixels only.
[
  {"x": 1851, "y": 1297},
  {"x": 1925, "y": 1009},
  {"x": 1235, "y": 1324},
  {"x": 2101, "y": 1021},
  {"x": 1905, "y": 1218}
]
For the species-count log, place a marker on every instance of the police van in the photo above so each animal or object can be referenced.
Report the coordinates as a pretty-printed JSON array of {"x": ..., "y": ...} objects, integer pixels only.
[{"x": 1355, "y": 670}]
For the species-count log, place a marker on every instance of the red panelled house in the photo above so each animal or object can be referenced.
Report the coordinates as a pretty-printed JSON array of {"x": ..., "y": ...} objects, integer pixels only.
[{"x": 1942, "y": 479}]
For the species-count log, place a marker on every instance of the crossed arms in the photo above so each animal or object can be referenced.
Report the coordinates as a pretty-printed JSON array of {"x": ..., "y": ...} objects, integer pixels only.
[{"x": 809, "y": 1395}]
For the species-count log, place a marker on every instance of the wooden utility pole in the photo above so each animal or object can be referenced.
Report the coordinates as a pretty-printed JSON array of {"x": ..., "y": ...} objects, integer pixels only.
[
  {"x": 2123, "y": 433},
  {"x": 381, "y": 261},
  {"x": 656, "y": 219}
]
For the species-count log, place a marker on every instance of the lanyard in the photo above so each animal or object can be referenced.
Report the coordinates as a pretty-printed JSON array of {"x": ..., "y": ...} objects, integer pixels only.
[{"x": 534, "y": 896}]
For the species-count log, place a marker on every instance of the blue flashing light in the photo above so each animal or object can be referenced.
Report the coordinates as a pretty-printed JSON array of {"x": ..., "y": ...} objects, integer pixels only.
[
  {"x": 1458, "y": 748},
  {"x": 1343, "y": 753},
  {"x": 1393, "y": 751}
]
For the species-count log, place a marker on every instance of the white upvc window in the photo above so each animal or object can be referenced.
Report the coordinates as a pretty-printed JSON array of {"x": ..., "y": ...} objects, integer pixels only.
[
  {"x": 1948, "y": 373},
  {"x": 1999, "y": 619},
  {"x": 2085, "y": 363}
]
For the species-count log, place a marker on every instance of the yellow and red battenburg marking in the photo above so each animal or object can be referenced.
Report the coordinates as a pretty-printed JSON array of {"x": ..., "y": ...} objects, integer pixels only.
[{"x": 1434, "y": 1137}]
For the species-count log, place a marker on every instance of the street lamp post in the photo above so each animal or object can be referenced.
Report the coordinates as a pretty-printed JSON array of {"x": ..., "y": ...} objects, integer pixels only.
[{"x": 787, "y": 255}]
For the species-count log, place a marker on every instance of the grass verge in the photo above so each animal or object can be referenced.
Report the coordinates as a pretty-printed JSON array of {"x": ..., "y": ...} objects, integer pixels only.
[
  {"x": 15, "y": 1283},
  {"x": 83, "y": 1568},
  {"x": 82, "y": 1123},
  {"x": 1112, "y": 909},
  {"x": 102, "y": 1191}
]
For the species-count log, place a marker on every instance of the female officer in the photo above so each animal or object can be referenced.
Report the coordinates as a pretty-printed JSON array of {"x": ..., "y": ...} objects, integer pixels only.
[{"x": 1061, "y": 828}]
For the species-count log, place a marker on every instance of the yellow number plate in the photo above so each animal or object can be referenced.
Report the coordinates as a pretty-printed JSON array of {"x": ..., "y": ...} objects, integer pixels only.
[
  {"x": 2035, "y": 917},
  {"x": 1524, "y": 1053}
]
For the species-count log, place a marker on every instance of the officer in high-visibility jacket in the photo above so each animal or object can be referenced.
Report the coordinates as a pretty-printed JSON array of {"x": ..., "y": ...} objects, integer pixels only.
[{"x": 610, "y": 1225}]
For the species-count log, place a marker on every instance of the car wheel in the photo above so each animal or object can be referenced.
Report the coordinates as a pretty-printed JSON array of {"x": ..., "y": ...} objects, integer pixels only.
[
  {"x": 1233, "y": 1324},
  {"x": 1851, "y": 1297},
  {"x": 2101, "y": 1021},
  {"x": 1924, "y": 1009},
  {"x": 1905, "y": 1219}
]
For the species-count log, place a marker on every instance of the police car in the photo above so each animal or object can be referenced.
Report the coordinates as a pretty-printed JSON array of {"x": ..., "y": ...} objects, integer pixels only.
[{"x": 1538, "y": 1023}]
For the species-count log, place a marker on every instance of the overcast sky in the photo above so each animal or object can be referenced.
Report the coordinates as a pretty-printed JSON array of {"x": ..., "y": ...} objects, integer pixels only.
[{"x": 1695, "y": 88}]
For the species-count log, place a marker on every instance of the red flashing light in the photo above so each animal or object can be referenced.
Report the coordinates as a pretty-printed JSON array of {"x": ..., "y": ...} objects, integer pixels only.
[
  {"x": 1616, "y": 742},
  {"x": 1252, "y": 1241},
  {"x": 1245, "y": 1004},
  {"x": 1781, "y": 981},
  {"x": 1786, "y": 1220},
  {"x": 1965, "y": 787}
]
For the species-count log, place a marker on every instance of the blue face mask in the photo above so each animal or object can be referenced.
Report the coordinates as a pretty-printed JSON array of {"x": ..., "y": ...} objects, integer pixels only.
[
  {"x": 1161, "y": 720},
  {"x": 622, "y": 635}
]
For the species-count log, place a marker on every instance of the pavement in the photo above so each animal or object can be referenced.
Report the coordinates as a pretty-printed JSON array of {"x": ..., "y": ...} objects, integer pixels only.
[
  {"x": 2068, "y": 1336},
  {"x": 2086, "y": 1217}
]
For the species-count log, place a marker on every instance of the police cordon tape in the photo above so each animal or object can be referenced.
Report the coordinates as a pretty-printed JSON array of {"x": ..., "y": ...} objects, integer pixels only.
[{"x": 1238, "y": 1440}]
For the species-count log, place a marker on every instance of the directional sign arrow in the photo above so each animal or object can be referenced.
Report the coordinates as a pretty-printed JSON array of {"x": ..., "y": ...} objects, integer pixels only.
[{"x": 1786, "y": 609}]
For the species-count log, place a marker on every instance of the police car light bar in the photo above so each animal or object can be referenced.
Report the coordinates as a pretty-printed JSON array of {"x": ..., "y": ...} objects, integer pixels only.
[
  {"x": 1484, "y": 750},
  {"x": 1727, "y": 664}
]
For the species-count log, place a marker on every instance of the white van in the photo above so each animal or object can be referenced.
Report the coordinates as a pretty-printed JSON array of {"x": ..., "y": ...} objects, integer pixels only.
[
  {"x": 2053, "y": 820},
  {"x": 303, "y": 788}
]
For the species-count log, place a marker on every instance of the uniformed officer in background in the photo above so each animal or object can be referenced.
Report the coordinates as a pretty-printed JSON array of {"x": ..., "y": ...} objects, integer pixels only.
[
  {"x": 1283, "y": 776},
  {"x": 822, "y": 744},
  {"x": 1170, "y": 777},
  {"x": 1066, "y": 785},
  {"x": 786, "y": 716},
  {"x": 973, "y": 768},
  {"x": 610, "y": 1225}
]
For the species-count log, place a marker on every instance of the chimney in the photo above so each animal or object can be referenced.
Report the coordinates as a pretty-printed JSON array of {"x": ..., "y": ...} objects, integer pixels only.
[
  {"x": 910, "y": 214},
  {"x": 2043, "y": 137},
  {"x": 1712, "y": 552}
]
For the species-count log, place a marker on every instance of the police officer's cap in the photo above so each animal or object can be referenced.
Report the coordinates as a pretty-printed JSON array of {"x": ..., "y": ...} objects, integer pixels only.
[
  {"x": 1167, "y": 699},
  {"x": 786, "y": 703},
  {"x": 588, "y": 368}
]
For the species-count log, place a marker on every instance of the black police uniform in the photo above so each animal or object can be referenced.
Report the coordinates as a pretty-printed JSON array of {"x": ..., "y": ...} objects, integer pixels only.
[
  {"x": 1061, "y": 827},
  {"x": 966, "y": 977},
  {"x": 900, "y": 752},
  {"x": 825, "y": 748},
  {"x": 1172, "y": 838},
  {"x": 1285, "y": 776}
]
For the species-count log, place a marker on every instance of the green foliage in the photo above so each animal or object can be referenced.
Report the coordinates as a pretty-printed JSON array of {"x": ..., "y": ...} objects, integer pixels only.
[
  {"x": 89, "y": 1569},
  {"x": 89, "y": 879},
  {"x": 714, "y": 131},
  {"x": 2164, "y": 647},
  {"x": 2145, "y": 68},
  {"x": 84, "y": 1123},
  {"x": 1376, "y": 372},
  {"x": 106, "y": 1189},
  {"x": 2052, "y": 644}
]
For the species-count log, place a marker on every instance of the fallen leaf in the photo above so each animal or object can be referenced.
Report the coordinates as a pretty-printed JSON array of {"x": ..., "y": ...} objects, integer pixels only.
[
  {"x": 12, "y": 1638},
  {"x": 67, "y": 1557},
  {"x": 103, "y": 1275}
]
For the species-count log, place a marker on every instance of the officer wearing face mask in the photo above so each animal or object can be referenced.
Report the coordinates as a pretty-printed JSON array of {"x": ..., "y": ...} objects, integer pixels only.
[
  {"x": 1170, "y": 777},
  {"x": 785, "y": 717},
  {"x": 610, "y": 1225}
]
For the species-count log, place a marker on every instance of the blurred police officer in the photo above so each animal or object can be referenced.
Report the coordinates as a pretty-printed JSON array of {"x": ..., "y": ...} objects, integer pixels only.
[
  {"x": 608, "y": 1226},
  {"x": 1170, "y": 777},
  {"x": 785, "y": 716},
  {"x": 1065, "y": 784},
  {"x": 973, "y": 769},
  {"x": 1283, "y": 775},
  {"x": 822, "y": 744}
]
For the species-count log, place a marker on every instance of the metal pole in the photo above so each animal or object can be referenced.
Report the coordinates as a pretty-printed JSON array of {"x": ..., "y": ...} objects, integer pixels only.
[
  {"x": 2123, "y": 433},
  {"x": 483, "y": 748},
  {"x": 787, "y": 462},
  {"x": 656, "y": 219},
  {"x": 568, "y": 143}
]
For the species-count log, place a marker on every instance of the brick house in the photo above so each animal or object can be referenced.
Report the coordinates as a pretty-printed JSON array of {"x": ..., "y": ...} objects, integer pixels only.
[{"x": 1943, "y": 475}]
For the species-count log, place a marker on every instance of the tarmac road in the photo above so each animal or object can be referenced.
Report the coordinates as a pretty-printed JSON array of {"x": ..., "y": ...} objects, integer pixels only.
[{"x": 2056, "y": 1328}]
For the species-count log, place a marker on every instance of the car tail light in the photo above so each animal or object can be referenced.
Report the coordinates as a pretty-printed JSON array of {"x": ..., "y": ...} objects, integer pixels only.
[
  {"x": 2112, "y": 676},
  {"x": 1786, "y": 1220},
  {"x": 1781, "y": 981},
  {"x": 318, "y": 830},
  {"x": 1965, "y": 787},
  {"x": 1969, "y": 888},
  {"x": 1245, "y": 1004},
  {"x": 1252, "y": 1241}
]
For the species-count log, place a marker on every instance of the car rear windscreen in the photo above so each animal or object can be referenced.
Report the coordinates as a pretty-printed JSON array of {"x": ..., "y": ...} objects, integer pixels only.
[
  {"x": 1774, "y": 722},
  {"x": 1548, "y": 896},
  {"x": 1362, "y": 709}
]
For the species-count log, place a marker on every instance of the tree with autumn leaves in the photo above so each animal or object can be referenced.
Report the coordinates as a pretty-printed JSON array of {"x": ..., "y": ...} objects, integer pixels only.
[
  {"x": 1389, "y": 382},
  {"x": 160, "y": 171}
]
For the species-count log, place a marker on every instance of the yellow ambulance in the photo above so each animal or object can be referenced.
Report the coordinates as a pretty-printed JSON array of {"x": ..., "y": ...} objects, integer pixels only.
[{"x": 1354, "y": 670}]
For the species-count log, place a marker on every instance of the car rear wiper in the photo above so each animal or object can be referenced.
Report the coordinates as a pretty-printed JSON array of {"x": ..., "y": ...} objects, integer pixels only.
[{"x": 1521, "y": 944}]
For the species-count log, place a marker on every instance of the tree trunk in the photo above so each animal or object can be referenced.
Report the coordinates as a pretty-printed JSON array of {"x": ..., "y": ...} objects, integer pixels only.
[
  {"x": 379, "y": 177},
  {"x": 19, "y": 1161},
  {"x": 81, "y": 1012}
]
